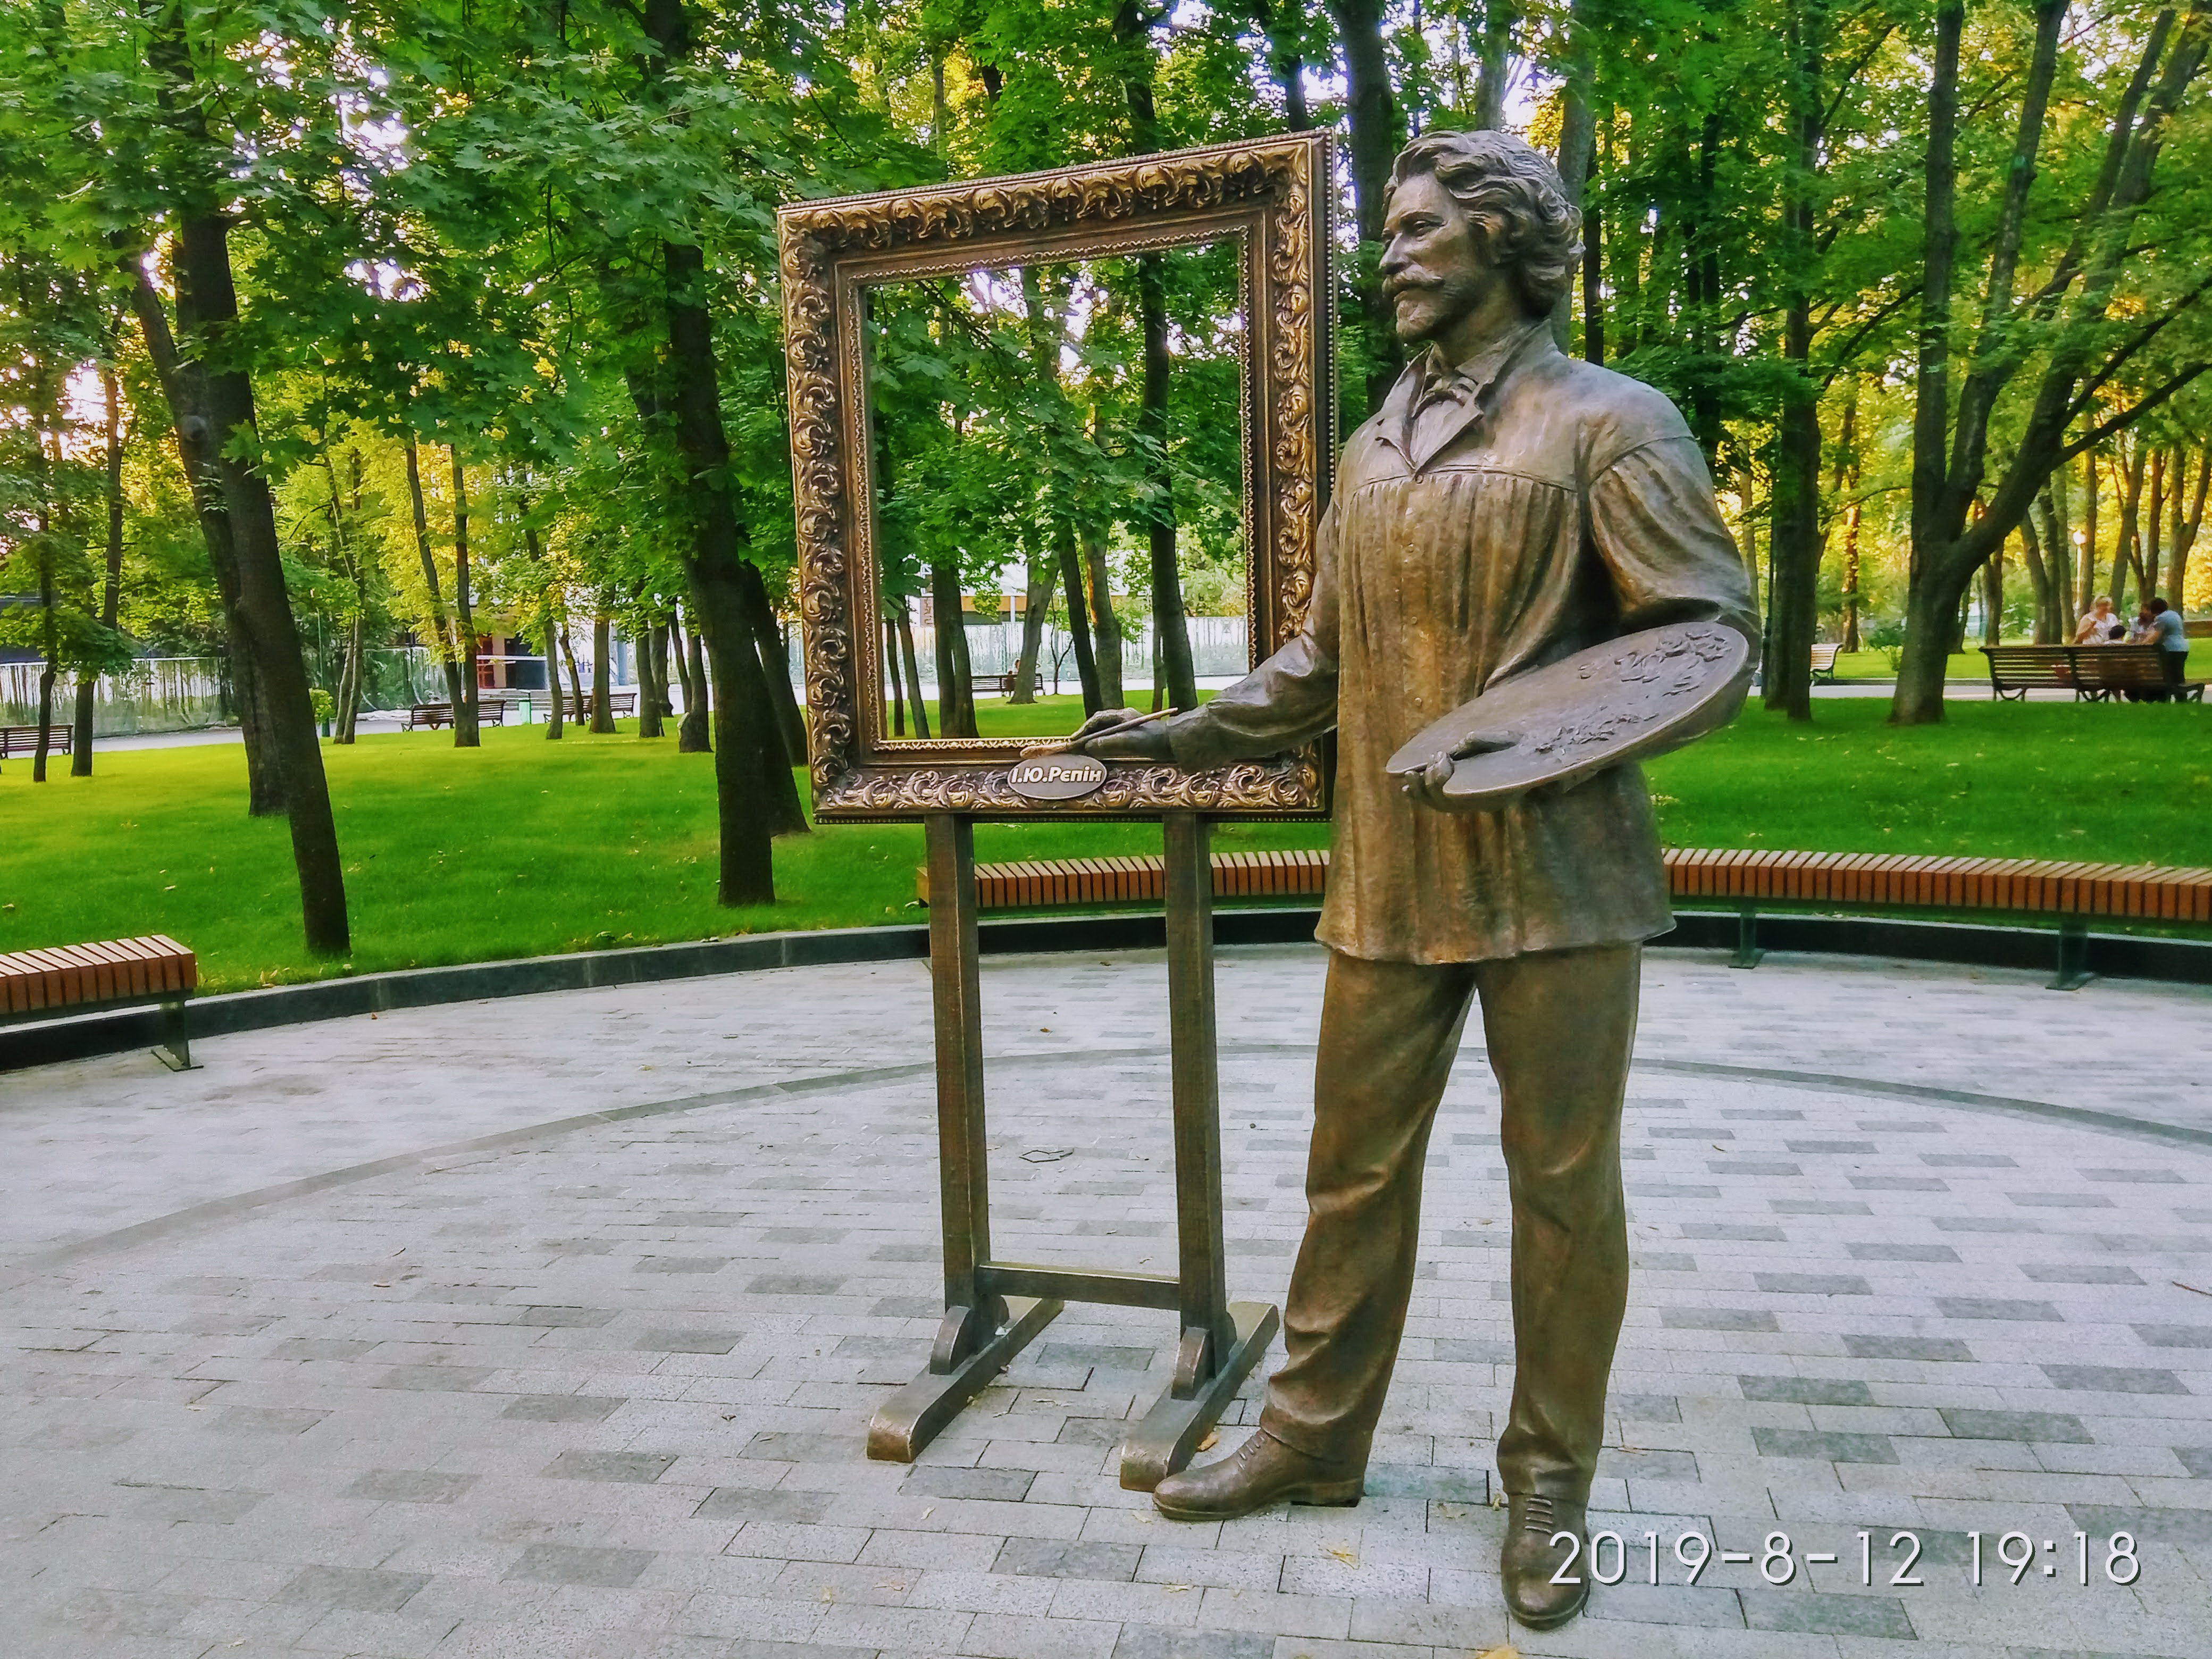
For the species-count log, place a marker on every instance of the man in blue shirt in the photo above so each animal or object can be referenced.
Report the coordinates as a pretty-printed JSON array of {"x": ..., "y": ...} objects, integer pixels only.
[{"x": 2166, "y": 633}]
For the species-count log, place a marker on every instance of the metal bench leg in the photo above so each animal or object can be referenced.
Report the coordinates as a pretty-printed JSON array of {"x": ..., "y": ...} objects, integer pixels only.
[
  {"x": 2074, "y": 970},
  {"x": 1747, "y": 952},
  {"x": 175, "y": 1050}
]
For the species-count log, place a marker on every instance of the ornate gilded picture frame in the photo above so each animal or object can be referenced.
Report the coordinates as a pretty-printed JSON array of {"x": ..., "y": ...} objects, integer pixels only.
[{"x": 1268, "y": 198}]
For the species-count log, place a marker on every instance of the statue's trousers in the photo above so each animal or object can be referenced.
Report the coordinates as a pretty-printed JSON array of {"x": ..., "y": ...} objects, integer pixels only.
[{"x": 1559, "y": 1026}]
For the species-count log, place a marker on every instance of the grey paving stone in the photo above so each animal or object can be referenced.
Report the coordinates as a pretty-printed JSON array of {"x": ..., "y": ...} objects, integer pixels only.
[
  {"x": 357, "y": 1589},
  {"x": 269, "y": 1419},
  {"x": 1971, "y": 1423},
  {"x": 1718, "y": 1319},
  {"x": 103, "y": 1613},
  {"x": 1828, "y": 1447},
  {"x": 566, "y": 1319},
  {"x": 2198, "y": 1460},
  {"x": 1807, "y": 1390},
  {"x": 1006, "y": 1485},
  {"x": 1052, "y": 1557},
  {"x": 1887, "y": 1250},
  {"x": 667, "y": 1341},
  {"x": 1734, "y": 1231},
  {"x": 1416, "y": 1480},
  {"x": 571, "y": 1563},
  {"x": 1813, "y": 1284},
  {"x": 1998, "y": 1307},
  {"x": 632, "y": 1468},
  {"x": 750, "y": 1503},
  {"x": 2175, "y": 1336},
  {"x": 433, "y": 1379},
  {"x": 1173, "y": 1641},
  {"x": 1810, "y": 1611},
  {"x": 179, "y": 1504},
  {"x": 2080, "y": 1273},
  {"x": 411, "y": 1486},
  {"x": 1948, "y": 1349},
  {"x": 795, "y": 1283},
  {"x": 794, "y": 1447},
  {"x": 562, "y": 1407},
  {"x": 2162, "y": 1526},
  {"x": 2114, "y": 1379}
]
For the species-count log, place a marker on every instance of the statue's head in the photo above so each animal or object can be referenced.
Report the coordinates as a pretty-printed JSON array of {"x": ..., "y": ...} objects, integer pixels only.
[{"x": 1470, "y": 213}]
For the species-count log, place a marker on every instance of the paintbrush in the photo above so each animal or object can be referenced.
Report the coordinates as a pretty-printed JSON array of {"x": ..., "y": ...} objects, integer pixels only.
[{"x": 1068, "y": 745}]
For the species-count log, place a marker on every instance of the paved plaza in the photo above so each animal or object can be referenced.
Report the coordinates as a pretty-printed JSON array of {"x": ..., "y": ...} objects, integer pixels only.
[{"x": 551, "y": 1327}]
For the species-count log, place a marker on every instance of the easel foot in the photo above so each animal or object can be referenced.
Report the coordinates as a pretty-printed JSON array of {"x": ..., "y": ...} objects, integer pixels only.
[
  {"x": 910, "y": 1419},
  {"x": 1170, "y": 1432}
]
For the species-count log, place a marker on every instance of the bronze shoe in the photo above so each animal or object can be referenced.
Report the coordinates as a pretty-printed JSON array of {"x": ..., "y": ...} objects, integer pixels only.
[
  {"x": 1263, "y": 1473},
  {"x": 1530, "y": 1559}
]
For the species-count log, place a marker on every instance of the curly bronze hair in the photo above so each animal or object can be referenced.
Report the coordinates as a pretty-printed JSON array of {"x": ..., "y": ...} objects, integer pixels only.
[{"x": 1514, "y": 200}]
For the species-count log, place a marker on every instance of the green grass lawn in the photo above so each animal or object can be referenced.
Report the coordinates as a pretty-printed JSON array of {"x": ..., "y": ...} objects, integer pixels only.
[{"x": 525, "y": 847}]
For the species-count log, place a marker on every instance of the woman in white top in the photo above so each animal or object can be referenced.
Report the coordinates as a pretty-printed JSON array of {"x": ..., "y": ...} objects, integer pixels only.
[{"x": 2097, "y": 623}]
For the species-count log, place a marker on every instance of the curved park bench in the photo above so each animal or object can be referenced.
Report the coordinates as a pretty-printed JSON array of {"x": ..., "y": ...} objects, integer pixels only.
[
  {"x": 117, "y": 972},
  {"x": 2076, "y": 894},
  {"x": 2093, "y": 673},
  {"x": 24, "y": 739}
]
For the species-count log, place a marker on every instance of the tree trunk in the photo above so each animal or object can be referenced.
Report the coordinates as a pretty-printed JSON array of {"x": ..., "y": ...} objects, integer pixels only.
[
  {"x": 2186, "y": 524},
  {"x": 2040, "y": 580},
  {"x": 1495, "y": 78},
  {"x": 691, "y": 737},
  {"x": 575, "y": 677},
  {"x": 905, "y": 626},
  {"x": 207, "y": 305},
  {"x": 1036, "y": 599},
  {"x": 442, "y": 630},
  {"x": 1795, "y": 538},
  {"x": 1993, "y": 600},
  {"x": 956, "y": 684},
  {"x": 2089, "y": 481},
  {"x": 889, "y": 634},
  {"x": 349, "y": 726},
  {"x": 52, "y": 644},
  {"x": 789, "y": 722},
  {"x": 466, "y": 733},
  {"x": 1376, "y": 133},
  {"x": 649, "y": 686},
  {"x": 603, "y": 652},
  {"x": 2127, "y": 556},
  {"x": 555, "y": 722},
  {"x": 184, "y": 387},
  {"x": 111, "y": 593},
  {"x": 1107, "y": 635}
]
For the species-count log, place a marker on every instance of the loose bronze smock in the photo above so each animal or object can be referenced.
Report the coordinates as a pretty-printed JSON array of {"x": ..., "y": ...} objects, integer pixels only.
[{"x": 1486, "y": 519}]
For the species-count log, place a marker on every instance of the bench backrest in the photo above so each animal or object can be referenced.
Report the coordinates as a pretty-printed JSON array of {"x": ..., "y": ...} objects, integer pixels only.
[
  {"x": 1824, "y": 656},
  {"x": 112, "y": 970}
]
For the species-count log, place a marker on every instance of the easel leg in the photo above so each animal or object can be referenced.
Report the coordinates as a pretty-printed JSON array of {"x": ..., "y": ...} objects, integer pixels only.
[
  {"x": 1221, "y": 1341},
  {"x": 980, "y": 1332}
]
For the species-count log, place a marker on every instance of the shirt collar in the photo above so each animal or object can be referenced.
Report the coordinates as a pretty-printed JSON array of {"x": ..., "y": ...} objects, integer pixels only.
[{"x": 1469, "y": 383}]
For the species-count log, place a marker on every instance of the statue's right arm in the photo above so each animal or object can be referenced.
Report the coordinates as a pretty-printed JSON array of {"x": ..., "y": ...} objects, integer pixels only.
[{"x": 1288, "y": 700}]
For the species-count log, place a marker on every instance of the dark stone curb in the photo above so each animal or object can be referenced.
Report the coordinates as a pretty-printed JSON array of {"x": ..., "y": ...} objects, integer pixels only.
[{"x": 2115, "y": 955}]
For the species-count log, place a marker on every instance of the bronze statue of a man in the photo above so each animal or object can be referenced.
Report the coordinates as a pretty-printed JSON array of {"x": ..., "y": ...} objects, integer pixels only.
[{"x": 1505, "y": 507}]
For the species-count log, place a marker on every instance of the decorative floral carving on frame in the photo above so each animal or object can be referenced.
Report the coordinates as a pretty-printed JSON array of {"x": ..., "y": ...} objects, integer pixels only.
[{"x": 1289, "y": 178}]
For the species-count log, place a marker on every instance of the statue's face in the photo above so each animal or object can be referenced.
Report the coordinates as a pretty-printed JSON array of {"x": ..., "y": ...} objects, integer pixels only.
[{"x": 1432, "y": 270}]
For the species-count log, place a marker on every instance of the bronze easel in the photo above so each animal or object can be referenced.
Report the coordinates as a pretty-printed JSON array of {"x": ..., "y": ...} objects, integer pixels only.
[{"x": 993, "y": 1308}]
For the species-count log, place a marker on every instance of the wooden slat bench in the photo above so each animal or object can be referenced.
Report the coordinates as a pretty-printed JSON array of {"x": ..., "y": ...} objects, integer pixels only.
[
  {"x": 491, "y": 711},
  {"x": 1824, "y": 664},
  {"x": 1743, "y": 878},
  {"x": 24, "y": 740},
  {"x": 117, "y": 972},
  {"x": 621, "y": 705},
  {"x": 2093, "y": 673}
]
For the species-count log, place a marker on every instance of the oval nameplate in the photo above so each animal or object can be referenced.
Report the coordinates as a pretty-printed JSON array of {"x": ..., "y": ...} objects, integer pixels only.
[{"x": 1056, "y": 777}]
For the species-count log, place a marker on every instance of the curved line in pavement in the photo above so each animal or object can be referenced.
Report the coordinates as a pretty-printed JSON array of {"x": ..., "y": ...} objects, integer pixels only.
[{"x": 196, "y": 1216}]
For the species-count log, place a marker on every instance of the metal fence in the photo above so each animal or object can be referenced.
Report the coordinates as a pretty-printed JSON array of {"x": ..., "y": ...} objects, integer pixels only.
[
  {"x": 1220, "y": 648},
  {"x": 186, "y": 694}
]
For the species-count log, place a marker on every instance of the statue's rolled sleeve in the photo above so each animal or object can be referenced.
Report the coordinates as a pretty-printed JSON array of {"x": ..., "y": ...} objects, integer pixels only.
[{"x": 1288, "y": 700}]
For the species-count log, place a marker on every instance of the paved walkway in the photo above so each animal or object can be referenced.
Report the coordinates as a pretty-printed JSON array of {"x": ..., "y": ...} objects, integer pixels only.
[{"x": 550, "y": 1327}]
